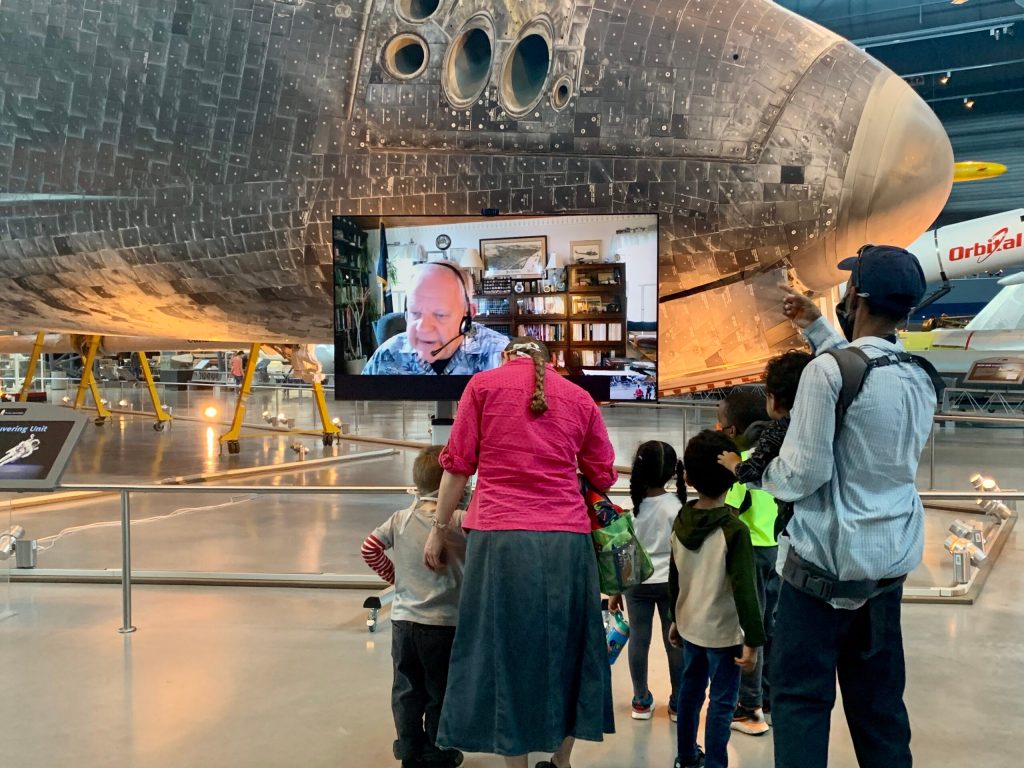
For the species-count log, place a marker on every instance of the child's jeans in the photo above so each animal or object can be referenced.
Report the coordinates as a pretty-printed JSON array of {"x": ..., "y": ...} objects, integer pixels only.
[
  {"x": 641, "y": 602},
  {"x": 754, "y": 685},
  {"x": 421, "y": 653},
  {"x": 699, "y": 666}
]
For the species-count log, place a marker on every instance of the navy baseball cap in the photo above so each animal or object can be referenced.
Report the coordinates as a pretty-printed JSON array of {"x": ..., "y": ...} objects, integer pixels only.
[{"x": 888, "y": 277}]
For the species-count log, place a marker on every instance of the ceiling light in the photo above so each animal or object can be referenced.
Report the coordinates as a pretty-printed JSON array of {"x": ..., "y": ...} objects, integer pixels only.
[
  {"x": 957, "y": 2},
  {"x": 968, "y": 103},
  {"x": 944, "y": 80}
]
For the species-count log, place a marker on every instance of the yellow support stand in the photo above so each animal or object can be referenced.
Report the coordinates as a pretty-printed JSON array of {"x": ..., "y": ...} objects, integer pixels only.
[
  {"x": 331, "y": 430},
  {"x": 231, "y": 437},
  {"x": 30, "y": 371},
  {"x": 89, "y": 382},
  {"x": 162, "y": 417}
]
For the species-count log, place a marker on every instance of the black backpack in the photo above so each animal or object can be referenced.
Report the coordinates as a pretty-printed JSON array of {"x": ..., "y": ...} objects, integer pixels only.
[{"x": 855, "y": 365}]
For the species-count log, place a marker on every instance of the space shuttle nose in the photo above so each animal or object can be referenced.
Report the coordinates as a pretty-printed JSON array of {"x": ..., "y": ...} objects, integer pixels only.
[{"x": 899, "y": 175}]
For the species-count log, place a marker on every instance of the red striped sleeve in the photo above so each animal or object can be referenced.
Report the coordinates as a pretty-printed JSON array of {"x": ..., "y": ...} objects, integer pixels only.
[{"x": 373, "y": 554}]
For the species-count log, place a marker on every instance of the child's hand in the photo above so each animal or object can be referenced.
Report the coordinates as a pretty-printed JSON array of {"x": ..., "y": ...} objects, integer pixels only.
[
  {"x": 674, "y": 637},
  {"x": 729, "y": 460},
  {"x": 748, "y": 660},
  {"x": 615, "y": 603}
]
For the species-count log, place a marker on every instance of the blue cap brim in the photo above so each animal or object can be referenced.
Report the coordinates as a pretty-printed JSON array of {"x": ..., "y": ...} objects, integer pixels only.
[{"x": 848, "y": 263}]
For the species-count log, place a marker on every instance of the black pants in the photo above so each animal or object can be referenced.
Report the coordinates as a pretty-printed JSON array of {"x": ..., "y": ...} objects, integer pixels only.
[
  {"x": 814, "y": 643},
  {"x": 421, "y": 653}
]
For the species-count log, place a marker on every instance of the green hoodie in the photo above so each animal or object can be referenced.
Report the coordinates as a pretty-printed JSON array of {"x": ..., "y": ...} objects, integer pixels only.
[{"x": 711, "y": 579}]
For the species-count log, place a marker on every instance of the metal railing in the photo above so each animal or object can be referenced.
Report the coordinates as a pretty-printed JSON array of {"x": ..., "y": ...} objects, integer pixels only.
[{"x": 126, "y": 491}]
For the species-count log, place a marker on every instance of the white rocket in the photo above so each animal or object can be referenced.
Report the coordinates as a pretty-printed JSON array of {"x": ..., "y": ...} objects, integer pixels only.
[{"x": 987, "y": 244}]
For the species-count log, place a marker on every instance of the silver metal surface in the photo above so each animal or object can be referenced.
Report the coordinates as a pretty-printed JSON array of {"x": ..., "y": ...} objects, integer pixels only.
[{"x": 175, "y": 167}]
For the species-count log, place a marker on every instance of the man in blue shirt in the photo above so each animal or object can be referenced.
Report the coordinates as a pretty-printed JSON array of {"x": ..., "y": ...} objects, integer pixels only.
[
  {"x": 858, "y": 524},
  {"x": 440, "y": 337}
]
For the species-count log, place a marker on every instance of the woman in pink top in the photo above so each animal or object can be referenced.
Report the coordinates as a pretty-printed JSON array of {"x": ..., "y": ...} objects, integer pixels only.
[{"x": 529, "y": 669}]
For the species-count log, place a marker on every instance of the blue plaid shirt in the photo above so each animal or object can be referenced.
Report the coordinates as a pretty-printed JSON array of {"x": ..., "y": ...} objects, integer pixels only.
[
  {"x": 480, "y": 351},
  {"x": 857, "y": 512}
]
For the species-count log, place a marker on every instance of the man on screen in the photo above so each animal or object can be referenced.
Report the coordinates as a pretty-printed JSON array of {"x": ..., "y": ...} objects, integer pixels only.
[{"x": 440, "y": 337}]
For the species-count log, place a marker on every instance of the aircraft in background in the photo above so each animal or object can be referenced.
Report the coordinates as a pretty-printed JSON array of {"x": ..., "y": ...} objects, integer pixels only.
[{"x": 172, "y": 170}]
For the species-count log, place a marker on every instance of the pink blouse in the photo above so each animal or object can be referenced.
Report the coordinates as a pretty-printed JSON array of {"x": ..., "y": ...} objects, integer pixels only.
[{"x": 527, "y": 463}]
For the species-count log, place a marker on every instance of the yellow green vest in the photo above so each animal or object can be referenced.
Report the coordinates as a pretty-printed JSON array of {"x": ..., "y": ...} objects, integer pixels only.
[{"x": 759, "y": 516}]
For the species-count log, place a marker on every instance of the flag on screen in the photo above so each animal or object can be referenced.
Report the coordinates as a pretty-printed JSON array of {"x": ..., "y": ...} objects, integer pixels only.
[{"x": 382, "y": 271}]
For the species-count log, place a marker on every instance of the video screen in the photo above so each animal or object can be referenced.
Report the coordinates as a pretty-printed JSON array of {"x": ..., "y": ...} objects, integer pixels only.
[{"x": 422, "y": 303}]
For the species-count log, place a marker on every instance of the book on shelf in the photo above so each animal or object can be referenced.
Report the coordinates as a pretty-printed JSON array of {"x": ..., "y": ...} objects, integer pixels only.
[
  {"x": 543, "y": 331},
  {"x": 541, "y": 305},
  {"x": 597, "y": 331}
]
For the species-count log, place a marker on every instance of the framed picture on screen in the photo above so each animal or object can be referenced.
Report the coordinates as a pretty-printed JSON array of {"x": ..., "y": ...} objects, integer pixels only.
[{"x": 514, "y": 256}]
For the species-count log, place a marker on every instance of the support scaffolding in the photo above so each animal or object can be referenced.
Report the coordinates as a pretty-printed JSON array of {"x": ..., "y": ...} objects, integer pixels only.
[
  {"x": 162, "y": 417},
  {"x": 30, "y": 370},
  {"x": 88, "y": 382}
]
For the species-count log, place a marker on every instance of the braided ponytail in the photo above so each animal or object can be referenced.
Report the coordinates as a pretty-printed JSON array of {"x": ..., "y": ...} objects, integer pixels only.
[
  {"x": 538, "y": 403},
  {"x": 524, "y": 346}
]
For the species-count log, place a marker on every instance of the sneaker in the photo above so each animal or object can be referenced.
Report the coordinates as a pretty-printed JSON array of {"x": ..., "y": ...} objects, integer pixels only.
[
  {"x": 643, "y": 709},
  {"x": 697, "y": 762},
  {"x": 672, "y": 712},
  {"x": 749, "y": 721}
]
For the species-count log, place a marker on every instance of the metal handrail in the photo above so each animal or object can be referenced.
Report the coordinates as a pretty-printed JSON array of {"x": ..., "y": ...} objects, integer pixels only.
[{"x": 125, "y": 492}]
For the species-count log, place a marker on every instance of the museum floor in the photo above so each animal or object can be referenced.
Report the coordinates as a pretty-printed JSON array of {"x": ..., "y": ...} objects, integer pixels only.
[{"x": 235, "y": 676}]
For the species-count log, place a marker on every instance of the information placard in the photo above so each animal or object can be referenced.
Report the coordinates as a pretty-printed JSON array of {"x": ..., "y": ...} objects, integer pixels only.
[
  {"x": 36, "y": 441},
  {"x": 997, "y": 370}
]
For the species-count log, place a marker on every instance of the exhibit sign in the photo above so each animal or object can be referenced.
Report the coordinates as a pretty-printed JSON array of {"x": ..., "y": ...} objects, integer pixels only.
[{"x": 36, "y": 442}]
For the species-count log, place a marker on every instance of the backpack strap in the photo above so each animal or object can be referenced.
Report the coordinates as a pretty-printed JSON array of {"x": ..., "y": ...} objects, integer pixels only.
[
  {"x": 937, "y": 381},
  {"x": 854, "y": 366}
]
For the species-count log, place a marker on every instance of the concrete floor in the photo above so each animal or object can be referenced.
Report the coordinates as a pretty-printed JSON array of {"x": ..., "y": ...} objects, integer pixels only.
[{"x": 277, "y": 677}]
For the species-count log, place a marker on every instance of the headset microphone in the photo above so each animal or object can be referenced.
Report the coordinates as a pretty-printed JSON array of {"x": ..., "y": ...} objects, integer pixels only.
[{"x": 436, "y": 352}]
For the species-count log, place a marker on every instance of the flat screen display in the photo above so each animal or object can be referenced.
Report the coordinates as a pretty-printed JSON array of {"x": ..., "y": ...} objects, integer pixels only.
[
  {"x": 35, "y": 444},
  {"x": 423, "y": 303}
]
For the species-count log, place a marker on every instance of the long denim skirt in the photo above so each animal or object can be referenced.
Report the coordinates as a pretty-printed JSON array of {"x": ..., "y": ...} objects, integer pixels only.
[{"x": 529, "y": 665}]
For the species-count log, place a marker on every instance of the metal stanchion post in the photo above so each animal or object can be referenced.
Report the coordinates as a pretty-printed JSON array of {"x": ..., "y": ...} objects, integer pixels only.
[
  {"x": 931, "y": 462},
  {"x": 684, "y": 426},
  {"x": 126, "y": 565}
]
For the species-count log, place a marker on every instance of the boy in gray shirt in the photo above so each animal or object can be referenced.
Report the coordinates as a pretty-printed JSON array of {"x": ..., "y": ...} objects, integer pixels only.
[{"x": 423, "y": 615}]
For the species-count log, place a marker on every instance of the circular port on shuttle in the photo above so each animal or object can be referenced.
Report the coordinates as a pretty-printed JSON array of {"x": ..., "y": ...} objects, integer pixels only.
[
  {"x": 561, "y": 93},
  {"x": 468, "y": 65},
  {"x": 525, "y": 72},
  {"x": 417, "y": 10},
  {"x": 405, "y": 56}
]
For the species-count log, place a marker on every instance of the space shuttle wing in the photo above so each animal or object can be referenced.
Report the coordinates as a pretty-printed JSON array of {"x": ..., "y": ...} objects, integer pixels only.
[{"x": 723, "y": 336}]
